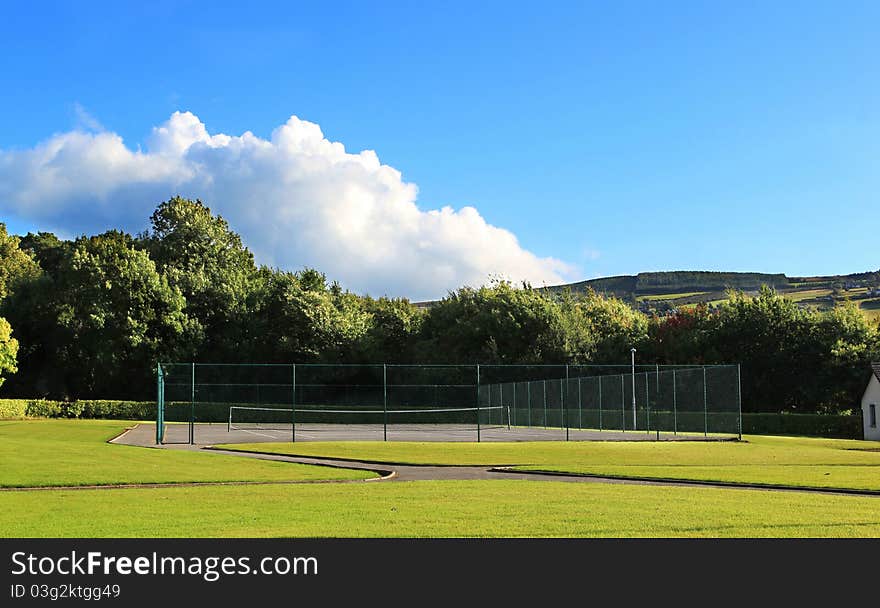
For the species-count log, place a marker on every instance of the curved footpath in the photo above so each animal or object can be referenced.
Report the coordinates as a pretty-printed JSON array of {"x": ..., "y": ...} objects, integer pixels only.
[{"x": 142, "y": 435}]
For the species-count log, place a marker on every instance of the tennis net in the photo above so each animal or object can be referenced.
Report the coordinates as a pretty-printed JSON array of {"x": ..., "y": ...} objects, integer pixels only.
[{"x": 358, "y": 421}]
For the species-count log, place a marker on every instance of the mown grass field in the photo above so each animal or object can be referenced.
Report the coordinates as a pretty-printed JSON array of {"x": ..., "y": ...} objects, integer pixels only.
[
  {"x": 49, "y": 452},
  {"x": 75, "y": 453},
  {"x": 669, "y": 296},
  {"x": 806, "y": 294},
  {"x": 791, "y": 461},
  {"x": 870, "y": 309},
  {"x": 436, "y": 509}
]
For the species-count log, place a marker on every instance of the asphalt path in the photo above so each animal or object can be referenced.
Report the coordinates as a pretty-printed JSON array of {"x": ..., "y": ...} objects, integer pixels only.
[{"x": 144, "y": 435}]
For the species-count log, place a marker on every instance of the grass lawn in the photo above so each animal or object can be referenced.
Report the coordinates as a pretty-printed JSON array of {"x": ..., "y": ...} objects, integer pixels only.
[
  {"x": 75, "y": 452},
  {"x": 436, "y": 509},
  {"x": 794, "y": 461}
]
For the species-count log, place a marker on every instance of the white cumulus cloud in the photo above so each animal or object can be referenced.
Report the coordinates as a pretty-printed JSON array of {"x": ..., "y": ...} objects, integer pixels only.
[{"x": 296, "y": 198}]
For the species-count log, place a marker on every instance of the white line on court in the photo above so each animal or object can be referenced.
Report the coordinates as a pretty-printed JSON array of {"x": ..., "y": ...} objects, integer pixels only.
[{"x": 256, "y": 433}]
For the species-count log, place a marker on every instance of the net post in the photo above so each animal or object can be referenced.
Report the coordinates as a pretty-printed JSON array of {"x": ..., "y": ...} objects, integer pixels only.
[
  {"x": 229, "y": 420},
  {"x": 192, "y": 407},
  {"x": 674, "y": 406},
  {"x": 508, "y": 417},
  {"x": 739, "y": 403},
  {"x": 478, "y": 402},
  {"x": 622, "y": 404},
  {"x": 500, "y": 399},
  {"x": 600, "y": 403},
  {"x": 293, "y": 404},
  {"x": 647, "y": 406},
  {"x": 705, "y": 406},
  {"x": 384, "y": 402}
]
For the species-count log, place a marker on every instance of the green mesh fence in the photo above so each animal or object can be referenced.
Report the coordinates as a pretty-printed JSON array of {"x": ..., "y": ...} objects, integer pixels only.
[
  {"x": 673, "y": 399},
  {"x": 467, "y": 399}
]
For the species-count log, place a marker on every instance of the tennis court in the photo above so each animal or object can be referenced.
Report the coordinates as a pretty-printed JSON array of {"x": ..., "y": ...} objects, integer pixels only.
[
  {"x": 229, "y": 403},
  {"x": 213, "y": 433}
]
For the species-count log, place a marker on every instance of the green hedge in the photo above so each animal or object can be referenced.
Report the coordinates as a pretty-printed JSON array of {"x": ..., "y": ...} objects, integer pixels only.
[
  {"x": 810, "y": 425},
  {"x": 91, "y": 408},
  {"x": 117, "y": 410},
  {"x": 12, "y": 408}
]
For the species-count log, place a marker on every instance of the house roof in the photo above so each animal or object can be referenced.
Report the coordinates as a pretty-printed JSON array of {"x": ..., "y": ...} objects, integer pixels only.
[{"x": 876, "y": 368}]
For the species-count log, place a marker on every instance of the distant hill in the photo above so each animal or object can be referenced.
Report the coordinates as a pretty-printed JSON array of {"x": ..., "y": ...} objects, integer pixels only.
[
  {"x": 662, "y": 292},
  {"x": 651, "y": 283}
]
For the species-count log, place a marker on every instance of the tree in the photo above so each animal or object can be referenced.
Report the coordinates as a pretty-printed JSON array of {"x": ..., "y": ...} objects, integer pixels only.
[
  {"x": 613, "y": 327},
  {"x": 8, "y": 350},
  {"x": 392, "y": 332},
  {"x": 203, "y": 258},
  {"x": 119, "y": 315},
  {"x": 15, "y": 265},
  {"x": 495, "y": 324},
  {"x": 682, "y": 337},
  {"x": 843, "y": 344},
  {"x": 297, "y": 323},
  {"x": 32, "y": 308},
  {"x": 770, "y": 336}
]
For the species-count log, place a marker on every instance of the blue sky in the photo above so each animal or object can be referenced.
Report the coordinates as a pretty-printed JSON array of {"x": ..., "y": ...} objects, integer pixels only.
[{"x": 612, "y": 137}]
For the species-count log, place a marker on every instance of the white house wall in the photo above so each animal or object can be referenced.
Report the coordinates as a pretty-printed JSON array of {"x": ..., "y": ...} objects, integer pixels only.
[{"x": 872, "y": 395}]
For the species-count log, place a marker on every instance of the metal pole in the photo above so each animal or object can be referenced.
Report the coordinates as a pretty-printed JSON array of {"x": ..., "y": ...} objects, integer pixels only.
[
  {"x": 739, "y": 402},
  {"x": 192, "y": 407},
  {"x": 529, "y": 402},
  {"x": 163, "y": 407},
  {"x": 705, "y": 406},
  {"x": 478, "y": 402},
  {"x": 508, "y": 417},
  {"x": 160, "y": 404},
  {"x": 580, "y": 406},
  {"x": 545, "y": 403},
  {"x": 674, "y": 406},
  {"x": 633, "y": 353},
  {"x": 384, "y": 402},
  {"x": 500, "y": 400},
  {"x": 647, "y": 405},
  {"x": 622, "y": 405},
  {"x": 514, "y": 407},
  {"x": 293, "y": 407},
  {"x": 562, "y": 395},
  {"x": 600, "y": 403}
]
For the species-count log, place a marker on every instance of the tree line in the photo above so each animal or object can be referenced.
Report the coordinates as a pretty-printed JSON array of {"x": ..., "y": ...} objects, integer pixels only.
[{"x": 90, "y": 317}]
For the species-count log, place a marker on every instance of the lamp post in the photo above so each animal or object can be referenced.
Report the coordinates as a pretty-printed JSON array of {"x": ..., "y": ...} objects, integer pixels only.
[{"x": 633, "y": 353}]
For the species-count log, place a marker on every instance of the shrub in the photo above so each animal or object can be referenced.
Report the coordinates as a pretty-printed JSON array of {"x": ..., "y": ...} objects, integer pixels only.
[
  {"x": 104, "y": 409},
  {"x": 118, "y": 410},
  {"x": 12, "y": 408},
  {"x": 810, "y": 425},
  {"x": 41, "y": 408}
]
